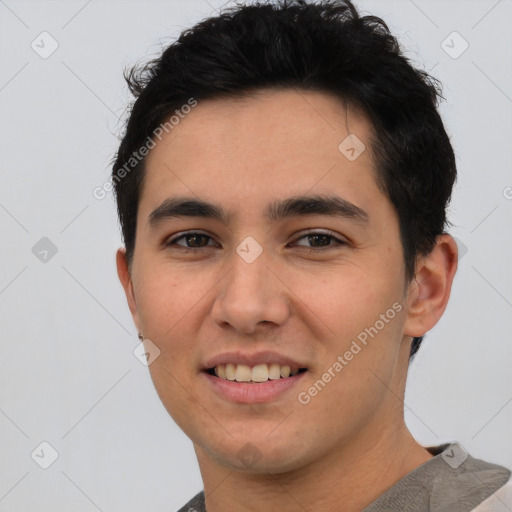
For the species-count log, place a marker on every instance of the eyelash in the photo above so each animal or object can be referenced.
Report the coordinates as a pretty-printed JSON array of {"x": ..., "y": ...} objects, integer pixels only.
[{"x": 339, "y": 242}]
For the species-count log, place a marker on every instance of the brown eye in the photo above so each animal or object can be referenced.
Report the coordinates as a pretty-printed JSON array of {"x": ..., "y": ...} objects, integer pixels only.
[
  {"x": 320, "y": 240},
  {"x": 193, "y": 240}
]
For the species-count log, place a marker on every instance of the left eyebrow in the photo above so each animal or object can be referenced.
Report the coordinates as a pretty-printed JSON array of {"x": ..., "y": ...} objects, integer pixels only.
[{"x": 333, "y": 206}]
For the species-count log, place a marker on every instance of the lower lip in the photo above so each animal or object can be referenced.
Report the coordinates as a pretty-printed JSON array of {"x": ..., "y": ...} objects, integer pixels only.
[{"x": 258, "y": 393}]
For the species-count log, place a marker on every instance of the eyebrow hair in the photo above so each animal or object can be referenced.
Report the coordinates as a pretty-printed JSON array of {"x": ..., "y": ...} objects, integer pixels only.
[{"x": 333, "y": 206}]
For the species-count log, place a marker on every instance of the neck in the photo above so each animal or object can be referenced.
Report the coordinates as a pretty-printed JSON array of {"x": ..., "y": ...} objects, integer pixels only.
[{"x": 347, "y": 479}]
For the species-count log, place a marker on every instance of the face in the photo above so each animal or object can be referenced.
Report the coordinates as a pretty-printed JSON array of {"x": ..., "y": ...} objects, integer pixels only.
[{"x": 315, "y": 284}]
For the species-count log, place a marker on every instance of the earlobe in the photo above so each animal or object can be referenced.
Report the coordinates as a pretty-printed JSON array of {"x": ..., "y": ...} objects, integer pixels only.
[
  {"x": 126, "y": 281},
  {"x": 430, "y": 288}
]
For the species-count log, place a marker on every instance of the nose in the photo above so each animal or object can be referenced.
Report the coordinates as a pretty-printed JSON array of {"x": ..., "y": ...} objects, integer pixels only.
[{"x": 251, "y": 296}]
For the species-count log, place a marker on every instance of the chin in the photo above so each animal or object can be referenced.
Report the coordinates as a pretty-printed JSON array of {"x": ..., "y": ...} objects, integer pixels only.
[{"x": 258, "y": 455}]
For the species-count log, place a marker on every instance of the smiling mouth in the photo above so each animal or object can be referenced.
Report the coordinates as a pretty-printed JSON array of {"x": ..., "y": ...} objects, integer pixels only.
[{"x": 253, "y": 374}]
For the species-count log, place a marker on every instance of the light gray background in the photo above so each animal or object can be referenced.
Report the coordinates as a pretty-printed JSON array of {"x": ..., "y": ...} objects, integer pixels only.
[{"x": 68, "y": 375}]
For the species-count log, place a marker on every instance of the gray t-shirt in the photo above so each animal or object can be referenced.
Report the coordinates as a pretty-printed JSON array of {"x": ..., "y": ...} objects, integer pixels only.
[{"x": 452, "y": 481}]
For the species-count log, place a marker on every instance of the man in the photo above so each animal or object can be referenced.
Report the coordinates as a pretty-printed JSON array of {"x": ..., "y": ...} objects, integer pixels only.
[{"x": 282, "y": 187}]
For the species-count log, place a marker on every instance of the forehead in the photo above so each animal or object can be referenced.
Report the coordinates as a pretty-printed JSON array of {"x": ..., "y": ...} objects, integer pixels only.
[
  {"x": 266, "y": 123},
  {"x": 273, "y": 143}
]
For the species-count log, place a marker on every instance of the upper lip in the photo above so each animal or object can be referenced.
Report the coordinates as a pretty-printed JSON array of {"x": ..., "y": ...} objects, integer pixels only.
[{"x": 265, "y": 357}]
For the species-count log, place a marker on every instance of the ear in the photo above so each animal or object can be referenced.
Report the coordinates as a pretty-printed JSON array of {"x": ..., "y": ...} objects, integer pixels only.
[
  {"x": 430, "y": 288},
  {"x": 126, "y": 281}
]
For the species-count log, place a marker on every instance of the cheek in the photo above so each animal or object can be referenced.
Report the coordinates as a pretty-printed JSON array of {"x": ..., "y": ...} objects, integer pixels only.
[
  {"x": 349, "y": 300},
  {"x": 358, "y": 360},
  {"x": 165, "y": 295},
  {"x": 166, "y": 303},
  {"x": 363, "y": 309}
]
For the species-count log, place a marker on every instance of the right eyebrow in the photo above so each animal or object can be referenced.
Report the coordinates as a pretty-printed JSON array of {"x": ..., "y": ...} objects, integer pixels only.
[{"x": 186, "y": 207}]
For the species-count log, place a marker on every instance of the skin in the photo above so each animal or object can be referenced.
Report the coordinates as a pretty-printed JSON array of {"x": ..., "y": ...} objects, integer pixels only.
[{"x": 349, "y": 444}]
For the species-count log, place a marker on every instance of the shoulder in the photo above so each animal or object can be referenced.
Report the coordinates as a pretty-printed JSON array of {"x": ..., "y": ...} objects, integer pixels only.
[
  {"x": 452, "y": 480},
  {"x": 499, "y": 501},
  {"x": 196, "y": 504},
  {"x": 462, "y": 482}
]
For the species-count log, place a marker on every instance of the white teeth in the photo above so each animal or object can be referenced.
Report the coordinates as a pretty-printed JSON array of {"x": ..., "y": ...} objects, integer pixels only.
[
  {"x": 230, "y": 371},
  {"x": 258, "y": 373},
  {"x": 274, "y": 371},
  {"x": 243, "y": 373},
  {"x": 221, "y": 369}
]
